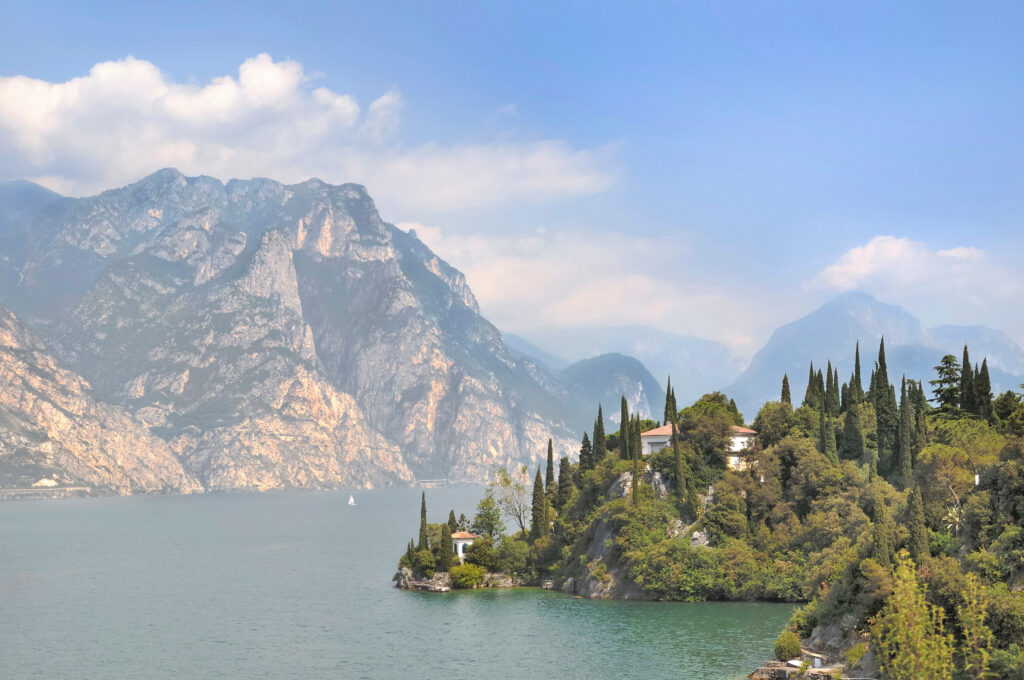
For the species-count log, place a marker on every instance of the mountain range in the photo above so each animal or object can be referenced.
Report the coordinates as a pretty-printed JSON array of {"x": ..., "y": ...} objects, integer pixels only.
[{"x": 266, "y": 336}]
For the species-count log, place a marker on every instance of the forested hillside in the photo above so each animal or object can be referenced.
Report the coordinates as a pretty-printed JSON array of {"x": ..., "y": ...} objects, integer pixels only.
[{"x": 897, "y": 521}]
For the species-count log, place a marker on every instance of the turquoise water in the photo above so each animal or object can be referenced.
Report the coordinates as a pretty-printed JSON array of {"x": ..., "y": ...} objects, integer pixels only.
[{"x": 298, "y": 585}]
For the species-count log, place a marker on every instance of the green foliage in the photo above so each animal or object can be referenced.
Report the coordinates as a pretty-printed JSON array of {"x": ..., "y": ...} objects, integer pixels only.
[
  {"x": 566, "y": 484},
  {"x": 773, "y": 422},
  {"x": 946, "y": 387},
  {"x": 977, "y": 639},
  {"x": 917, "y": 543},
  {"x": 424, "y": 563},
  {"x": 487, "y": 520},
  {"x": 424, "y": 543},
  {"x": 855, "y": 654},
  {"x": 910, "y": 633},
  {"x": 513, "y": 555},
  {"x": 453, "y": 524},
  {"x": 467, "y": 575},
  {"x": 787, "y": 646},
  {"x": 786, "y": 399},
  {"x": 539, "y": 516},
  {"x": 482, "y": 553},
  {"x": 445, "y": 549},
  {"x": 600, "y": 443}
]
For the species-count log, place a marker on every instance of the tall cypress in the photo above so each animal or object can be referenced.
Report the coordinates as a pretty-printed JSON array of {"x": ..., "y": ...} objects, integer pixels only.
[
  {"x": 809, "y": 392},
  {"x": 918, "y": 541},
  {"x": 539, "y": 514},
  {"x": 844, "y": 398},
  {"x": 983, "y": 392},
  {"x": 884, "y": 534},
  {"x": 446, "y": 551},
  {"x": 968, "y": 396},
  {"x": 586, "y": 455},
  {"x": 424, "y": 543},
  {"x": 635, "y": 449},
  {"x": 670, "y": 413},
  {"x": 565, "y": 482},
  {"x": 856, "y": 386},
  {"x": 827, "y": 435},
  {"x": 920, "y": 420},
  {"x": 549, "y": 480},
  {"x": 886, "y": 415},
  {"x": 786, "y": 398},
  {"x": 453, "y": 524},
  {"x": 624, "y": 438},
  {"x": 819, "y": 391},
  {"x": 905, "y": 439},
  {"x": 600, "y": 442},
  {"x": 852, "y": 446},
  {"x": 635, "y": 443},
  {"x": 831, "y": 391}
]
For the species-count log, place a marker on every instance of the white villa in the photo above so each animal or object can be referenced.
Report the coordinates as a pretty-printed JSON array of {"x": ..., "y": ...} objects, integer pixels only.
[
  {"x": 460, "y": 541},
  {"x": 741, "y": 442}
]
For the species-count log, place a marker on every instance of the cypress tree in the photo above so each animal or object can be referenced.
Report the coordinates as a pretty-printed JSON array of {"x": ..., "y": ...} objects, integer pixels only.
[
  {"x": 827, "y": 435},
  {"x": 886, "y": 415},
  {"x": 586, "y": 455},
  {"x": 844, "y": 398},
  {"x": 539, "y": 521},
  {"x": 836, "y": 403},
  {"x": 624, "y": 438},
  {"x": 600, "y": 442},
  {"x": 549, "y": 483},
  {"x": 424, "y": 544},
  {"x": 445, "y": 551},
  {"x": 830, "y": 390},
  {"x": 453, "y": 524},
  {"x": 809, "y": 392},
  {"x": 670, "y": 413},
  {"x": 920, "y": 420},
  {"x": 983, "y": 392},
  {"x": 786, "y": 399},
  {"x": 968, "y": 397},
  {"x": 410, "y": 554},
  {"x": 884, "y": 534},
  {"x": 905, "y": 440},
  {"x": 918, "y": 542},
  {"x": 856, "y": 386},
  {"x": 565, "y": 482},
  {"x": 635, "y": 444},
  {"x": 675, "y": 405},
  {"x": 682, "y": 480},
  {"x": 819, "y": 390},
  {"x": 853, "y": 439},
  {"x": 635, "y": 450}
]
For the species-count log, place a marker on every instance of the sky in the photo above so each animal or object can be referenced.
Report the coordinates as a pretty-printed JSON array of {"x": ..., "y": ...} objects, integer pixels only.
[{"x": 713, "y": 169}]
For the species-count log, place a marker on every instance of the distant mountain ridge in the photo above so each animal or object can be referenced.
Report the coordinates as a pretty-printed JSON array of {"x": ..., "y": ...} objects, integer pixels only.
[
  {"x": 278, "y": 336},
  {"x": 831, "y": 332}
]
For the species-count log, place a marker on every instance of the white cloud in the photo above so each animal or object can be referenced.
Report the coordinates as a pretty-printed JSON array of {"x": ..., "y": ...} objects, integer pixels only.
[
  {"x": 570, "y": 278},
  {"x": 960, "y": 285},
  {"x": 126, "y": 119}
]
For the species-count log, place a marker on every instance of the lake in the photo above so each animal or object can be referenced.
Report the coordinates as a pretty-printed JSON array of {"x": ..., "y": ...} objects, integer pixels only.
[{"x": 297, "y": 585}]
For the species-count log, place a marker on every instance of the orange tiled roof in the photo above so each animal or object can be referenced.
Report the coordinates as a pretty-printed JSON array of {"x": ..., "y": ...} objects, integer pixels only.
[
  {"x": 464, "y": 534},
  {"x": 666, "y": 430}
]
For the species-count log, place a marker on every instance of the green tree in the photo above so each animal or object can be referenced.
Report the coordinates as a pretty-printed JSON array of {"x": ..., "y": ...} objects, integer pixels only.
[
  {"x": 978, "y": 640},
  {"x": 831, "y": 391},
  {"x": 905, "y": 440},
  {"x": 786, "y": 398},
  {"x": 787, "y": 646},
  {"x": 586, "y": 454},
  {"x": 445, "y": 551},
  {"x": 565, "y": 483},
  {"x": 810, "y": 394},
  {"x": 983, "y": 392},
  {"x": 487, "y": 520},
  {"x": 883, "y": 533},
  {"x": 968, "y": 395},
  {"x": 670, "y": 403},
  {"x": 947, "y": 386},
  {"x": 909, "y": 633},
  {"x": 917, "y": 544},
  {"x": 600, "y": 443},
  {"x": 856, "y": 386},
  {"x": 423, "y": 544},
  {"x": 453, "y": 524},
  {"x": 852, "y": 445},
  {"x": 773, "y": 422},
  {"x": 886, "y": 415},
  {"x": 549, "y": 479},
  {"x": 512, "y": 495},
  {"x": 539, "y": 516},
  {"x": 624, "y": 438},
  {"x": 827, "y": 437}
]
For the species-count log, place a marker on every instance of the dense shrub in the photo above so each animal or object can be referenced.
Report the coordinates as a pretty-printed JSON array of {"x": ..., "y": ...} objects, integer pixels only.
[
  {"x": 787, "y": 646},
  {"x": 425, "y": 563},
  {"x": 467, "y": 575}
]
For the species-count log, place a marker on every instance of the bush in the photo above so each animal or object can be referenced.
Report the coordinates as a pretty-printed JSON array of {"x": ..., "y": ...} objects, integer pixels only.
[
  {"x": 425, "y": 563},
  {"x": 467, "y": 575},
  {"x": 482, "y": 553},
  {"x": 855, "y": 654},
  {"x": 787, "y": 646}
]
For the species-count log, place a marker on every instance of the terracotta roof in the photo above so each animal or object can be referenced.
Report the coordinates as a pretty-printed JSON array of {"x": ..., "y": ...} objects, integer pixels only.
[
  {"x": 663, "y": 431},
  {"x": 736, "y": 429},
  {"x": 464, "y": 534}
]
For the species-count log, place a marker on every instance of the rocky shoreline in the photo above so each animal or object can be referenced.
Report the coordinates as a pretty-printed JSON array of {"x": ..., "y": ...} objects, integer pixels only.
[{"x": 441, "y": 582}]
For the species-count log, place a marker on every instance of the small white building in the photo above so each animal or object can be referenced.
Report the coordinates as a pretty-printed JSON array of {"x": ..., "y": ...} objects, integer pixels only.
[
  {"x": 460, "y": 541},
  {"x": 741, "y": 441}
]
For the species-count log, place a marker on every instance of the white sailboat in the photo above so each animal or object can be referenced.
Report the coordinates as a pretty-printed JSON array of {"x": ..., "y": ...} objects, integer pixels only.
[{"x": 351, "y": 500}]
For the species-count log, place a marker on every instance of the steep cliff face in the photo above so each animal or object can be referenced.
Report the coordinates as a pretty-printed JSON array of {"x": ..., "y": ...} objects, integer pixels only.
[
  {"x": 279, "y": 336},
  {"x": 51, "y": 426}
]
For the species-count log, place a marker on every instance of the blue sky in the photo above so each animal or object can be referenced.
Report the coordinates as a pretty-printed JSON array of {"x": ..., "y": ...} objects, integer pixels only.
[{"x": 708, "y": 168}]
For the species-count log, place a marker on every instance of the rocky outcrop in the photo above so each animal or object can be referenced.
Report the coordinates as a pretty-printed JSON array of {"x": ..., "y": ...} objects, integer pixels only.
[
  {"x": 278, "y": 336},
  {"x": 439, "y": 583},
  {"x": 54, "y": 430}
]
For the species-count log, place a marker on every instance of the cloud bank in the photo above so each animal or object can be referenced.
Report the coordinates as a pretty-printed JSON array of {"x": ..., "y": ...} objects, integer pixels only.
[{"x": 126, "y": 119}]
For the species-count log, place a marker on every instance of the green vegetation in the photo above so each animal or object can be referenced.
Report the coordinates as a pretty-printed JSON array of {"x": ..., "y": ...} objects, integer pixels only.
[
  {"x": 899, "y": 522},
  {"x": 787, "y": 646},
  {"x": 467, "y": 575}
]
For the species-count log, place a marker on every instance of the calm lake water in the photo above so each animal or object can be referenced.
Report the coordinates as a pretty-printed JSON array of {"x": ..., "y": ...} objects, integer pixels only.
[{"x": 297, "y": 585}]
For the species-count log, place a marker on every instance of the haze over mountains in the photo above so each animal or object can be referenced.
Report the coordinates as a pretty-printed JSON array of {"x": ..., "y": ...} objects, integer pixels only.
[{"x": 271, "y": 336}]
